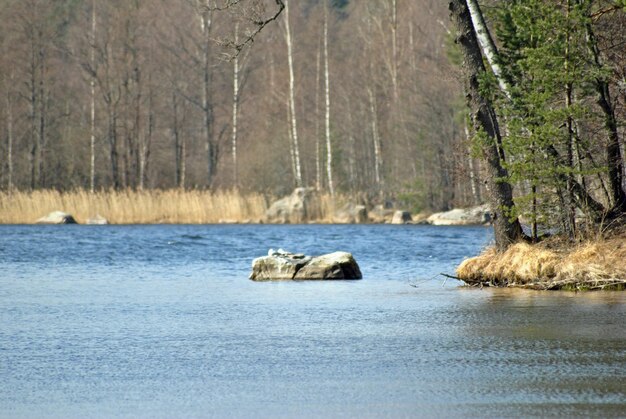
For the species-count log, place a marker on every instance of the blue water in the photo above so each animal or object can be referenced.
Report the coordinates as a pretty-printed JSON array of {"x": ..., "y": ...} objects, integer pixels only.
[{"x": 161, "y": 321}]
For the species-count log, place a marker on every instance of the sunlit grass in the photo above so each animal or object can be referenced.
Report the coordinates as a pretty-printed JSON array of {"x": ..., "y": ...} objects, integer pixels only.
[
  {"x": 593, "y": 264},
  {"x": 135, "y": 207},
  {"x": 154, "y": 206}
]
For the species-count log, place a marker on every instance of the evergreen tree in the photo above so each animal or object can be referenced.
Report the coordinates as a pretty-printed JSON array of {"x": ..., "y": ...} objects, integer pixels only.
[{"x": 546, "y": 59}]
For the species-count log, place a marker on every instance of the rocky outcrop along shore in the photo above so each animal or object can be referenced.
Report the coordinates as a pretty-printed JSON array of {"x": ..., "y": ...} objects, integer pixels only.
[{"x": 57, "y": 217}]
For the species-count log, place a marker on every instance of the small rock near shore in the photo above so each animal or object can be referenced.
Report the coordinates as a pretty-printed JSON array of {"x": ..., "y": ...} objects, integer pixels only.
[{"x": 97, "y": 220}]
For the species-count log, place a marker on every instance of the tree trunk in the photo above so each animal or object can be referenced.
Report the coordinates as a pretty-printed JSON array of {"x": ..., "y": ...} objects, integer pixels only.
[
  {"x": 473, "y": 173},
  {"x": 92, "y": 142},
  {"x": 34, "y": 151},
  {"x": 178, "y": 145},
  {"x": 292, "y": 155},
  {"x": 569, "y": 213},
  {"x": 207, "y": 105},
  {"x": 394, "y": 48},
  {"x": 318, "y": 157},
  {"x": 351, "y": 148},
  {"x": 488, "y": 46},
  {"x": 235, "y": 110},
  {"x": 292, "y": 101},
  {"x": 482, "y": 115},
  {"x": 43, "y": 113},
  {"x": 146, "y": 140},
  {"x": 329, "y": 150},
  {"x": 613, "y": 151},
  {"x": 378, "y": 158},
  {"x": 9, "y": 115}
]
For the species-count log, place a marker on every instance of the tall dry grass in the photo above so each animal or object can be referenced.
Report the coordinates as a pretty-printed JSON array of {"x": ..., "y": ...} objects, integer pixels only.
[
  {"x": 154, "y": 206},
  {"x": 134, "y": 207},
  {"x": 593, "y": 264}
]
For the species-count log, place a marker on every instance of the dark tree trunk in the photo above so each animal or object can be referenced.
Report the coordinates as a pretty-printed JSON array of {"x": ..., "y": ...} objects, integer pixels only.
[
  {"x": 112, "y": 135},
  {"x": 484, "y": 119},
  {"x": 613, "y": 152}
]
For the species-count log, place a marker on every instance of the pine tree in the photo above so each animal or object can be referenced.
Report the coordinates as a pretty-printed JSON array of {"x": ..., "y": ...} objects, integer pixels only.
[{"x": 546, "y": 60}]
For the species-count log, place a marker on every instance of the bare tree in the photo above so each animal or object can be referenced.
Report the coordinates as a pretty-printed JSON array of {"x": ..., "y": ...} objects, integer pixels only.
[
  {"x": 235, "y": 111},
  {"x": 10, "y": 139},
  {"x": 295, "y": 147},
  {"x": 92, "y": 85},
  {"x": 329, "y": 149}
]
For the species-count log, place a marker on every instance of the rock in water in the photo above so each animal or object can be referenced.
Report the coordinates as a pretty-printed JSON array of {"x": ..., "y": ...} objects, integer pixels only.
[
  {"x": 57, "y": 217},
  {"x": 401, "y": 217},
  {"x": 284, "y": 265},
  {"x": 277, "y": 265},
  {"x": 337, "y": 265},
  {"x": 97, "y": 220}
]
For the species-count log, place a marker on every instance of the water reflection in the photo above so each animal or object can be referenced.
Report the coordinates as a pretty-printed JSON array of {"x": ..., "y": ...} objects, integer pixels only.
[{"x": 550, "y": 350}]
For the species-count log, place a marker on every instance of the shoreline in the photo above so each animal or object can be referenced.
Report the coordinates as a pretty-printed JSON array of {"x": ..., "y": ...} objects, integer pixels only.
[
  {"x": 129, "y": 207},
  {"x": 593, "y": 263}
]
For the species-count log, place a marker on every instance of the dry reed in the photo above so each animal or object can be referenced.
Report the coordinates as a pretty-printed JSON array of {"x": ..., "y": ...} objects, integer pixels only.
[
  {"x": 135, "y": 207},
  {"x": 593, "y": 264},
  {"x": 154, "y": 206}
]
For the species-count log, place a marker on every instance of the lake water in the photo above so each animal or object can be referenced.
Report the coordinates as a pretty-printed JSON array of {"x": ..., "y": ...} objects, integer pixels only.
[{"x": 161, "y": 321}]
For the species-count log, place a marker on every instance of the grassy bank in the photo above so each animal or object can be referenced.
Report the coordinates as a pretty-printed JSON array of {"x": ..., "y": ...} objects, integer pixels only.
[
  {"x": 134, "y": 207},
  {"x": 595, "y": 263},
  {"x": 151, "y": 207}
]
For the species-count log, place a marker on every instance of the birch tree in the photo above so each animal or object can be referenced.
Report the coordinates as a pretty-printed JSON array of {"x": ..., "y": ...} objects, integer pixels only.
[
  {"x": 488, "y": 46},
  {"x": 235, "y": 111},
  {"x": 318, "y": 157},
  {"x": 329, "y": 150},
  {"x": 295, "y": 148}
]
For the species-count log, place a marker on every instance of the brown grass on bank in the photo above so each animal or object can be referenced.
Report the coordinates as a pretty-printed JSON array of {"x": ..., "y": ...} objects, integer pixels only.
[
  {"x": 153, "y": 206},
  {"x": 134, "y": 207},
  {"x": 593, "y": 264}
]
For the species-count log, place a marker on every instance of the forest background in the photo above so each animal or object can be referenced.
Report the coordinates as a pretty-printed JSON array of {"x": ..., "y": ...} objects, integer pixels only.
[
  {"x": 358, "y": 98},
  {"x": 349, "y": 97}
]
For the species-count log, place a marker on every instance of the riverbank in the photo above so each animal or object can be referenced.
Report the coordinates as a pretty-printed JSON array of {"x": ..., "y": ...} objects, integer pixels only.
[
  {"x": 172, "y": 206},
  {"x": 135, "y": 207},
  {"x": 591, "y": 264},
  {"x": 191, "y": 207}
]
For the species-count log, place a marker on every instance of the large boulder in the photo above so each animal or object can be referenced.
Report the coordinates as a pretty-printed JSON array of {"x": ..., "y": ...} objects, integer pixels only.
[
  {"x": 337, "y": 265},
  {"x": 296, "y": 208},
  {"x": 380, "y": 214},
  {"x": 401, "y": 217},
  {"x": 57, "y": 217},
  {"x": 351, "y": 214},
  {"x": 280, "y": 264},
  {"x": 462, "y": 216},
  {"x": 277, "y": 265}
]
